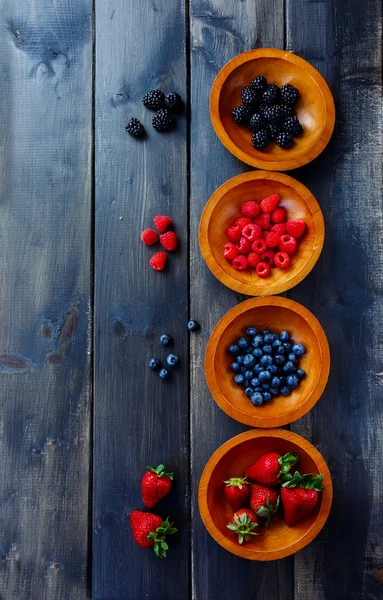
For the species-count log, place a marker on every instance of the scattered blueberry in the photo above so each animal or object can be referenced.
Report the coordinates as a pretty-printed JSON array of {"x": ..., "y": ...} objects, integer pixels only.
[
  {"x": 242, "y": 343},
  {"x": 233, "y": 349},
  {"x": 193, "y": 325},
  {"x": 284, "y": 336},
  {"x": 154, "y": 364},
  {"x": 256, "y": 398},
  {"x": 251, "y": 331},
  {"x": 239, "y": 379},
  {"x": 301, "y": 373},
  {"x": 288, "y": 367},
  {"x": 166, "y": 339},
  {"x": 172, "y": 360},
  {"x": 164, "y": 374},
  {"x": 292, "y": 381},
  {"x": 266, "y": 396},
  {"x": 235, "y": 367},
  {"x": 299, "y": 349}
]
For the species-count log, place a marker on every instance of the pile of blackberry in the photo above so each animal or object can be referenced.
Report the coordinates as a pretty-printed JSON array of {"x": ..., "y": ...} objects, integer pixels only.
[
  {"x": 268, "y": 112},
  {"x": 165, "y": 107}
]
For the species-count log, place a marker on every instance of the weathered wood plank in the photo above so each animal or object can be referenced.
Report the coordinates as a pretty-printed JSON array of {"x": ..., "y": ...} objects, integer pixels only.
[
  {"x": 219, "y": 31},
  {"x": 138, "y": 420},
  {"x": 45, "y": 138},
  {"x": 343, "y": 40}
]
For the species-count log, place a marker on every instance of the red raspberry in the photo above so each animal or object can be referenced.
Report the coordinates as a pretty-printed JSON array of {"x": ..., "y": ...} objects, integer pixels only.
[
  {"x": 253, "y": 259},
  {"x": 272, "y": 239},
  {"x": 234, "y": 233},
  {"x": 162, "y": 223},
  {"x": 268, "y": 204},
  {"x": 262, "y": 269},
  {"x": 169, "y": 241},
  {"x": 244, "y": 246},
  {"x": 279, "y": 228},
  {"x": 250, "y": 209},
  {"x": 281, "y": 260},
  {"x": 230, "y": 251},
  {"x": 259, "y": 246},
  {"x": 149, "y": 237},
  {"x": 295, "y": 228},
  {"x": 263, "y": 221},
  {"x": 251, "y": 232},
  {"x": 158, "y": 261},
  {"x": 278, "y": 215},
  {"x": 243, "y": 221},
  {"x": 287, "y": 244},
  {"x": 268, "y": 257},
  {"x": 240, "y": 263}
]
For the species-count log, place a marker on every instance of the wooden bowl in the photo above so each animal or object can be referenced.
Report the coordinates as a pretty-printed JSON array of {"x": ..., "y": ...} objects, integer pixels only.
[
  {"x": 277, "y": 314},
  {"x": 315, "y": 108},
  {"x": 232, "y": 459},
  {"x": 224, "y": 207}
]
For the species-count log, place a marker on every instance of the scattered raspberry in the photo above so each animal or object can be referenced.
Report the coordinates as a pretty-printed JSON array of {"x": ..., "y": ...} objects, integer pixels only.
[
  {"x": 295, "y": 228},
  {"x": 272, "y": 239},
  {"x": 162, "y": 223},
  {"x": 253, "y": 259},
  {"x": 251, "y": 232},
  {"x": 263, "y": 221},
  {"x": 244, "y": 246},
  {"x": 243, "y": 221},
  {"x": 149, "y": 237},
  {"x": 234, "y": 233},
  {"x": 259, "y": 246},
  {"x": 279, "y": 228},
  {"x": 281, "y": 260},
  {"x": 268, "y": 257},
  {"x": 262, "y": 269},
  {"x": 230, "y": 251},
  {"x": 240, "y": 263},
  {"x": 268, "y": 204},
  {"x": 169, "y": 241},
  {"x": 278, "y": 215},
  {"x": 250, "y": 209},
  {"x": 288, "y": 243},
  {"x": 158, "y": 261}
]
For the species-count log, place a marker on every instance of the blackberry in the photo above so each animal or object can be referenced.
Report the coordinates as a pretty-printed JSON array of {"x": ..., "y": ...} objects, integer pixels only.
[
  {"x": 162, "y": 120},
  {"x": 262, "y": 107},
  {"x": 260, "y": 139},
  {"x": 173, "y": 101},
  {"x": 273, "y": 113},
  {"x": 259, "y": 83},
  {"x": 241, "y": 114},
  {"x": 154, "y": 99},
  {"x": 289, "y": 94},
  {"x": 284, "y": 139},
  {"x": 271, "y": 93},
  {"x": 273, "y": 130},
  {"x": 287, "y": 111},
  {"x": 256, "y": 123},
  {"x": 135, "y": 127},
  {"x": 292, "y": 125},
  {"x": 249, "y": 98}
]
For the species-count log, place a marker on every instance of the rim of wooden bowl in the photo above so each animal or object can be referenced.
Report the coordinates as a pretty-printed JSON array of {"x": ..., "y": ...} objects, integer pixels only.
[
  {"x": 263, "y": 288},
  {"x": 287, "y": 163},
  {"x": 211, "y": 348},
  {"x": 306, "y": 538}
]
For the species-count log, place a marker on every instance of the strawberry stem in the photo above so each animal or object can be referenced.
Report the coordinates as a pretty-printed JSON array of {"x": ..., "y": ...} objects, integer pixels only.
[
  {"x": 287, "y": 461},
  {"x": 267, "y": 512},
  {"x": 236, "y": 482},
  {"x": 160, "y": 471},
  {"x": 307, "y": 482},
  {"x": 159, "y": 535}
]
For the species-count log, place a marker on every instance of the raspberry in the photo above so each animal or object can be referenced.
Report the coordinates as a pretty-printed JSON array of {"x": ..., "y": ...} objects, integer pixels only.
[
  {"x": 244, "y": 246},
  {"x": 251, "y": 232},
  {"x": 295, "y": 228},
  {"x": 240, "y": 263},
  {"x": 250, "y": 209},
  {"x": 149, "y": 237},
  {"x": 281, "y": 260},
  {"x": 253, "y": 259},
  {"x": 287, "y": 244},
  {"x": 272, "y": 239},
  {"x": 234, "y": 233},
  {"x": 230, "y": 251},
  {"x": 268, "y": 257},
  {"x": 262, "y": 269},
  {"x": 278, "y": 215},
  {"x": 158, "y": 261},
  {"x": 279, "y": 228},
  {"x": 169, "y": 241},
  {"x": 243, "y": 221},
  {"x": 162, "y": 223},
  {"x": 259, "y": 246},
  {"x": 263, "y": 221},
  {"x": 268, "y": 204}
]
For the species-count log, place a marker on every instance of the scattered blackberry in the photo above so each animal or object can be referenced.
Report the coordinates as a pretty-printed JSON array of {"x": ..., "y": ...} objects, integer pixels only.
[
  {"x": 259, "y": 84},
  {"x": 173, "y": 101},
  {"x": 271, "y": 93},
  {"x": 162, "y": 120},
  {"x": 241, "y": 114},
  {"x": 154, "y": 99},
  {"x": 135, "y": 127},
  {"x": 287, "y": 110},
  {"x": 284, "y": 139},
  {"x": 260, "y": 139},
  {"x": 292, "y": 125},
  {"x": 273, "y": 130},
  {"x": 256, "y": 123},
  {"x": 249, "y": 98},
  {"x": 289, "y": 94},
  {"x": 272, "y": 113}
]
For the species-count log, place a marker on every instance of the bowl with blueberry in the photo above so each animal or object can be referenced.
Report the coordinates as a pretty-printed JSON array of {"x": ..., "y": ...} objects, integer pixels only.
[
  {"x": 272, "y": 109},
  {"x": 267, "y": 361}
]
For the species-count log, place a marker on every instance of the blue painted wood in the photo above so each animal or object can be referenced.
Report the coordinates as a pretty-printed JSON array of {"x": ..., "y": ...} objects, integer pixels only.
[{"x": 45, "y": 137}]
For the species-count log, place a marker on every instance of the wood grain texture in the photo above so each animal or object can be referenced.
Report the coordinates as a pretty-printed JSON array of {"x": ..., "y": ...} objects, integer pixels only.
[
  {"x": 343, "y": 40},
  {"x": 219, "y": 31},
  {"x": 138, "y": 419},
  {"x": 45, "y": 137}
]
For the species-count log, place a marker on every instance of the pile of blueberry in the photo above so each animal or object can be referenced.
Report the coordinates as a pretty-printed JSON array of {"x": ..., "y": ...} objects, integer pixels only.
[
  {"x": 266, "y": 364},
  {"x": 172, "y": 359}
]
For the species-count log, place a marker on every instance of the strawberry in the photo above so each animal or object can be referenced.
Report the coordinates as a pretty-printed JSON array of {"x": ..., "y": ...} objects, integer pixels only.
[
  {"x": 287, "y": 243},
  {"x": 253, "y": 259},
  {"x": 155, "y": 484},
  {"x": 230, "y": 251},
  {"x": 264, "y": 501},
  {"x": 250, "y": 209},
  {"x": 300, "y": 496},
  {"x": 243, "y": 522},
  {"x": 149, "y": 237},
  {"x": 278, "y": 215},
  {"x": 295, "y": 228},
  {"x": 236, "y": 491},
  {"x": 272, "y": 239},
  {"x": 251, "y": 232},
  {"x": 169, "y": 241},
  {"x": 242, "y": 222},
  {"x": 270, "y": 203},
  {"x": 162, "y": 223},
  {"x": 263, "y": 221},
  {"x": 262, "y": 269},
  {"x": 282, "y": 260},
  {"x": 150, "y": 530},
  {"x": 279, "y": 228},
  {"x": 158, "y": 261},
  {"x": 234, "y": 233},
  {"x": 270, "y": 467}
]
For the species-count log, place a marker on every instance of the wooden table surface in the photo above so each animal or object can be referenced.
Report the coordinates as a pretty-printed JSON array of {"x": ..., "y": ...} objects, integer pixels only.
[{"x": 81, "y": 310}]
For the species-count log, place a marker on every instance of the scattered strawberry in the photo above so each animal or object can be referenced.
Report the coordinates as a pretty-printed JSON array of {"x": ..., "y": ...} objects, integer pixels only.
[
  {"x": 234, "y": 233},
  {"x": 282, "y": 260},
  {"x": 299, "y": 496},
  {"x": 262, "y": 269},
  {"x": 251, "y": 232},
  {"x": 251, "y": 209},
  {"x": 268, "y": 257},
  {"x": 263, "y": 221},
  {"x": 287, "y": 243},
  {"x": 150, "y": 530},
  {"x": 242, "y": 523},
  {"x": 230, "y": 251},
  {"x": 259, "y": 246},
  {"x": 236, "y": 491},
  {"x": 278, "y": 215},
  {"x": 253, "y": 259},
  {"x": 155, "y": 484},
  {"x": 243, "y": 221},
  {"x": 270, "y": 203},
  {"x": 279, "y": 228},
  {"x": 149, "y": 237},
  {"x": 240, "y": 263},
  {"x": 169, "y": 240},
  {"x": 272, "y": 239},
  {"x": 270, "y": 467},
  {"x": 244, "y": 246},
  {"x": 158, "y": 261},
  {"x": 295, "y": 228},
  {"x": 162, "y": 223},
  {"x": 264, "y": 501}
]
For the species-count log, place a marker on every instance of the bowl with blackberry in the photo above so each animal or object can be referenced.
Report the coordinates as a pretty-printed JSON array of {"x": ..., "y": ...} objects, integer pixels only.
[{"x": 272, "y": 109}]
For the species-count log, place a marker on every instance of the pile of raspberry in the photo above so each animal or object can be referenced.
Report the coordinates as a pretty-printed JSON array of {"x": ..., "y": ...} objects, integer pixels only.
[
  {"x": 263, "y": 237},
  {"x": 167, "y": 239}
]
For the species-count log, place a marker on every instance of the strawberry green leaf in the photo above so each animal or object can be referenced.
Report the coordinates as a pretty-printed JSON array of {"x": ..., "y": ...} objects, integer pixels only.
[
  {"x": 236, "y": 482},
  {"x": 160, "y": 471}
]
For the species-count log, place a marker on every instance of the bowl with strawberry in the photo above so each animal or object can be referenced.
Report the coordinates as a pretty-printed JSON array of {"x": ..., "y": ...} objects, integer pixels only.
[
  {"x": 265, "y": 495},
  {"x": 261, "y": 233}
]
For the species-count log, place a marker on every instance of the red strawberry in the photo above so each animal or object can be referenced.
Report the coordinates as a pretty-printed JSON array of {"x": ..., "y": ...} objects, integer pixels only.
[
  {"x": 253, "y": 259},
  {"x": 263, "y": 221},
  {"x": 262, "y": 269},
  {"x": 251, "y": 232},
  {"x": 270, "y": 467},
  {"x": 155, "y": 484},
  {"x": 278, "y": 215},
  {"x": 242, "y": 523},
  {"x": 250, "y": 209},
  {"x": 295, "y": 228},
  {"x": 264, "y": 501},
  {"x": 149, "y": 237},
  {"x": 279, "y": 228},
  {"x": 158, "y": 261},
  {"x": 268, "y": 257},
  {"x": 162, "y": 223},
  {"x": 234, "y": 233},
  {"x": 300, "y": 496},
  {"x": 240, "y": 263},
  {"x": 236, "y": 491},
  {"x": 230, "y": 251},
  {"x": 287, "y": 244},
  {"x": 169, "y": 240},
  {"x": 282, "y": 260},
  {"x": 244, "y": 246},
  {"x": 259, "y": 246},
  {"x": 270, "y": 203},
  {"x": 242, "y": 222},
  {"x": 150, "y": 531},
  {"x": 272, "y": 239}
]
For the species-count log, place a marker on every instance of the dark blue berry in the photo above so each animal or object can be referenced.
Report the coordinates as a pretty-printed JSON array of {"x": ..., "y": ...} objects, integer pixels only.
[
  {"x": 273, "y": 391},
  {"x": 285, "y": 391},
  {"x": 193, "y": 325},
  {"x": 284, "y": 336},
  {"x": 242, "y": 343},
  {"x": 154, "y": 364},
  {"x": 265, "y": 386},
  {"x": 256, "y": 399},
  {"x": 172, "y": 360},
  {"x": 243, "y": 369},
  {"x": 266, "y": 396},
  {"x": 247, "y": 383},
  {"x": 258, "y": 368},
  {"x": 258, "y": 389},
  {"x": 164, "y": 374},
  {"x": 288, "y": 367},
  {"x": 239, "y": 359},
  {"x": 265, "y": 332},
  {"x": 273, "y": 369},
  {"x": 277, "y": 343},
  {"x": 292, "y": 357},
  {"x": 275, "y": 382},
  {"x": 233, "y": 349},
  {"x": 299, "y": 349},
  {"x": 251, "y": 331},
  {"x": 292, "y": 381},
  {"x": 257, "y": 341},
  {"x": 268, "y": 338},
  {"x": 235, "y": 367},
  {"x": 280, "y": 350},
  {"x": 301, "y": 373},
  {"x": 166, "y": 339},
  {"x": 249, "y": 391},
  {"x": 249, "y": 360},
  {"x": 266, "y": 360},
  {"x": 248, "y": 374},
  {"x": 239, "y": 379},
  {"x": 287, "y": 347},
  {"x": 267, "y": 349},
  {"x": 264, "y": 377},
  {"x": 257, "y": 352},
  {"x": 255, "y": 382}
]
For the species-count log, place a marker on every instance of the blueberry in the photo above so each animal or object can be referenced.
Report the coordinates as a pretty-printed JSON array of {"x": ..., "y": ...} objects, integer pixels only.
[
  {"x": 292, "y": 381},
  {"x": 193, "y": 325},
  {"x": 248, "y": 374},
  {"x": 154, "y": 364},
  {"x": 255, "y": 382},
  {"x": 287, "y": 347},
  {"x": 292, "y": 357},
  {"x": 239, "y": 379},
  {"x": 266, "y": 396},
  {"x": 275, "y": 382},
  {"x": 273, "y": 369},
  {"x": 284, "y": 336},
  {"x": 242, "y": 343},
  {"x": 267, "y": 349},
  {"x": 266, "y": 360},
  {"x": 279, "y": 359},
  {"x": 258, "y": 389},
  {"x": 257, "y": 352},
  {"x": 166, "y": 339},
  {"x": 299, "y": 349},
  {"x": 257, "y": 341},
  {"x": 264, "y": 377},
  {"x": 265, "y": 386},
  {"x": 249, "y": 391},
  {"x": 285, "y": 391},
  {"x": 280, "y": 350},
  {"x": 277, "y": 343},
  {"x": 247, "y": 383},
  {"x": 258, "y": 368},
  {"x": 251, "y": 331},
  {"x": 268, "y": 338},
  {"x": 288, "y": 367},
  {"x": 256, "y": 398},
  {"x": 164, "y": 374},
  {"x": 235, "y": 367},
  {"x": 172, "y": 360},
  {"x": 265, "y": 332},
  {"x": 243, "y": 370},
  {"x": 239, "y": 359},
  {"x": 233, "y": 349},
  {"x": 301, "y": 373},
  {"x": 249, "y": 360},
  {"x": 274, "y": 391}
]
